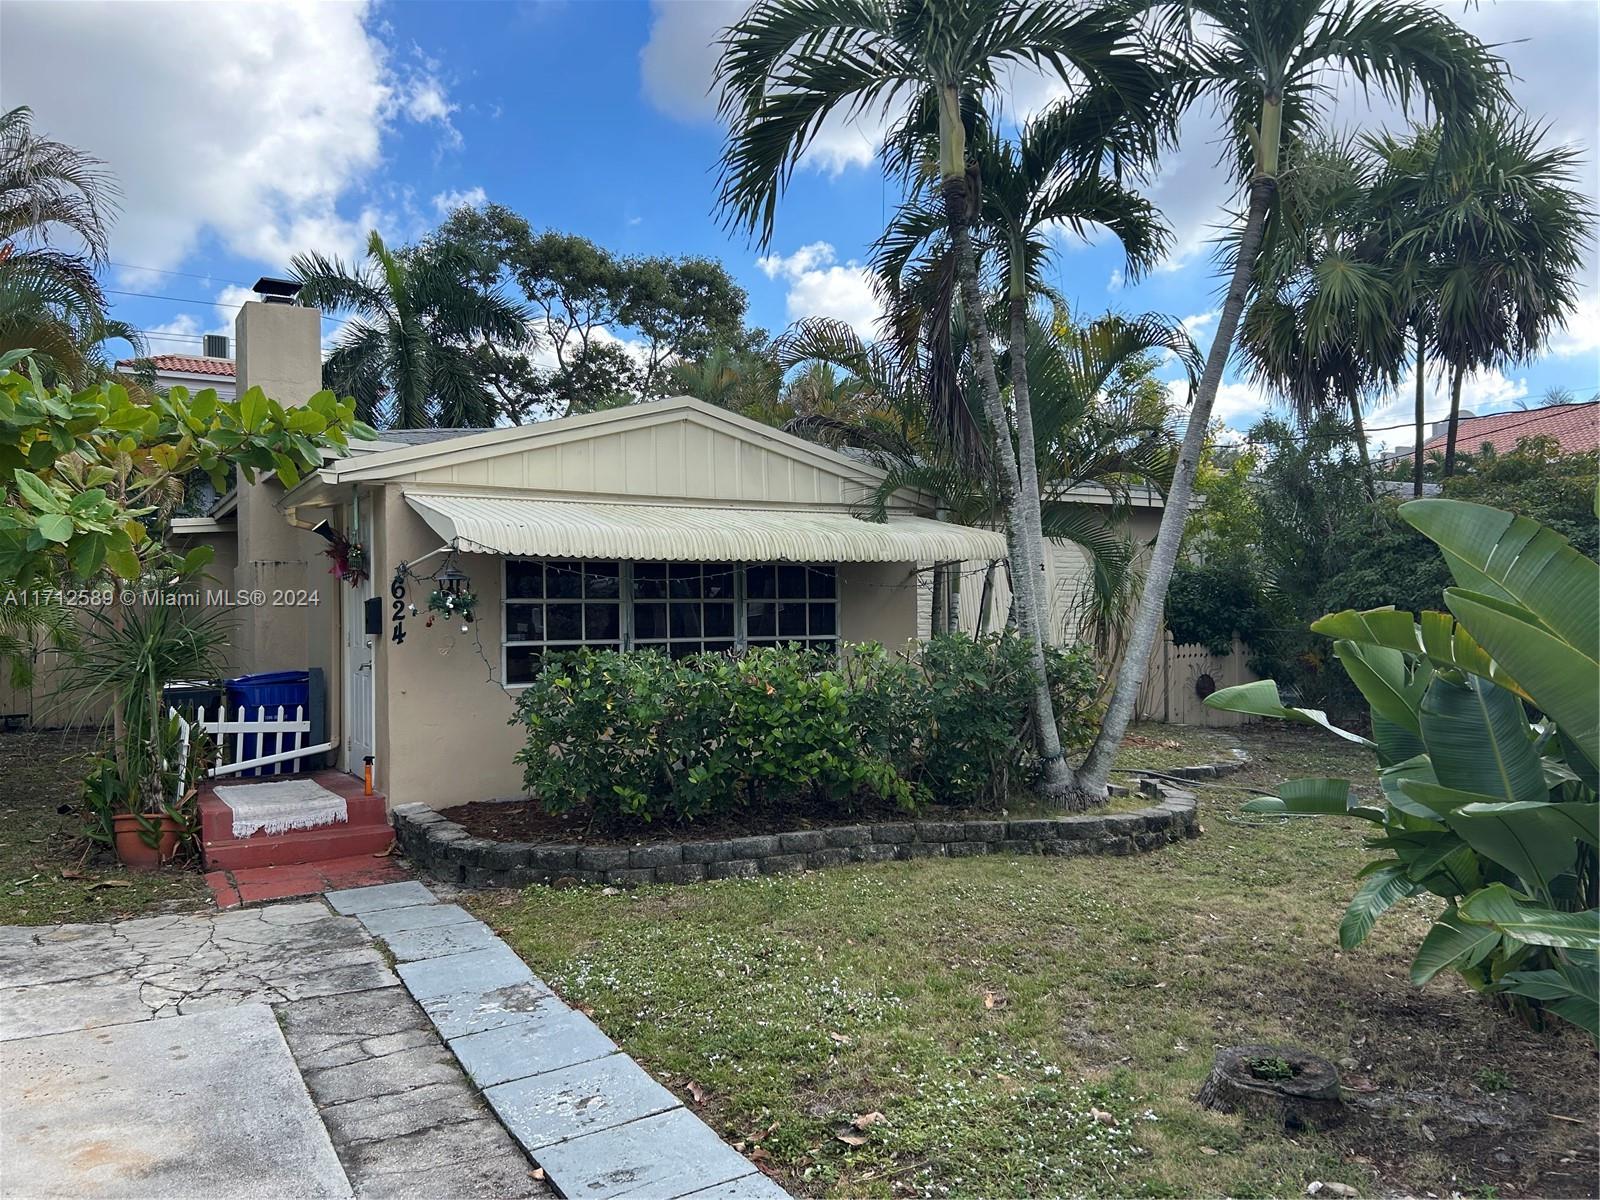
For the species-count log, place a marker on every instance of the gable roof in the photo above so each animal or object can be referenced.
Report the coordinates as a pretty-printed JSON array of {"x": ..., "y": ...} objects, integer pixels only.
[
  {"x": 1575, "y": 428},
  {"x": 476, "y": 446}
]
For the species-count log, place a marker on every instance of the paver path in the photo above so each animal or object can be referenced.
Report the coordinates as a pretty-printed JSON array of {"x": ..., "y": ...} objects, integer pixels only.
[
  {"x": 258, "y": 1052},
  {"x": 597, "y": 1123}
]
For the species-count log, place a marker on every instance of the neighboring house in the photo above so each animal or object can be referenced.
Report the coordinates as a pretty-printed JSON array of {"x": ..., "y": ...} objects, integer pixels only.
[
  {"x": 1573, "y": 427},
  {"x": 671, "y": 524},
  {"x": 214, "y": 369}
]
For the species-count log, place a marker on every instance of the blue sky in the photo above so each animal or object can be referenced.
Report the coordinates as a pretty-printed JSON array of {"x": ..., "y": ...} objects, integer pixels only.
[{"x": 243, "y": 133}]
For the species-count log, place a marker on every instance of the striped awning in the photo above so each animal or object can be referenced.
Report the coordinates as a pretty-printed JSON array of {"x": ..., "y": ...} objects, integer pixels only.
[{"x": 646, "y": 532}]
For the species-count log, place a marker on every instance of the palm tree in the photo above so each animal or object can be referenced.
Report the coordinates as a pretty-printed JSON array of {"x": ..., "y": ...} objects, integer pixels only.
[
  {"x": 1050, "y": 178},
  {"x": 788, "y": 65},
  {"x": 1326, "y": 327},
  {"x": 1269, "y": 65},
  {"x": 1094, "y": 431},
  {"x": 50, "y": 300},
  {"x": 409, "y": 356},
  {"x": 1494, "y": 231}
]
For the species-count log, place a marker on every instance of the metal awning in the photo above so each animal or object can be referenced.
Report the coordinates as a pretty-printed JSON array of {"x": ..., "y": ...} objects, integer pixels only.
[{"x": 645, "y": 532}]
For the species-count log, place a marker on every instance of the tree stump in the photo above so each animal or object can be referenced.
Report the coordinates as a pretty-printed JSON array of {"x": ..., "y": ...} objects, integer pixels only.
[{"x": 1281, "y": 1084}]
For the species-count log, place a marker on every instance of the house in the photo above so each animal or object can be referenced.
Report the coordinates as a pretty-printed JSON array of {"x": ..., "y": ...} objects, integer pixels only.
[
  {"x": 1575, "y": 428},
  {"x": 671, "y": 524},
  {"x": 211, "y": 369}
]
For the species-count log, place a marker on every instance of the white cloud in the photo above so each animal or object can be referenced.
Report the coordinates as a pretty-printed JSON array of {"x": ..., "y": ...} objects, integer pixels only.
[
  {"x": 1197, "y": 324},
  {"x": 1114, "y": 284},
  {"x": 820, "y": 286},
  {"x": 258, "y": 125},
  {"x": 446, "y": 203},
  {"x": 678, "y": 64},
  {"x": 1582, "y": 333}
]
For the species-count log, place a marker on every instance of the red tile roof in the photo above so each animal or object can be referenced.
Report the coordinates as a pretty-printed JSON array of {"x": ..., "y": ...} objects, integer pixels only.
[
  {"x": 1575, "y": 428},
  {"x": 187, "y": 364}
]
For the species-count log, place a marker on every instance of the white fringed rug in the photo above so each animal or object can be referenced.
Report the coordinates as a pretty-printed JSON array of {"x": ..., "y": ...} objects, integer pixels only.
[{"x": 280, "y": 807}]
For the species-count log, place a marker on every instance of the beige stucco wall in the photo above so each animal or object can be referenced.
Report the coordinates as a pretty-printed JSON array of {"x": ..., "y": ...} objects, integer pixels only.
[{"x": 1066, "y": 579}]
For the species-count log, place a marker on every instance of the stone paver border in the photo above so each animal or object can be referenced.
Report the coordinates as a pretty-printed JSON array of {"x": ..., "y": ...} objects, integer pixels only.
[
  {"x": 590, "y": 1116},
  {"x": 452, "y": 855}
]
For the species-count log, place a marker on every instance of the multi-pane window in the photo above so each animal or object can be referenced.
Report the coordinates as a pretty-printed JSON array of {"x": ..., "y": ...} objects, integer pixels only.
[
  {"x": 791, "y": 602},
  {"x": 678, "y": 608}
]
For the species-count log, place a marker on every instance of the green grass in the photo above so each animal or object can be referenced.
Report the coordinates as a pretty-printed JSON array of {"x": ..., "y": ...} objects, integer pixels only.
[
  {"x": 1038, "y": 1026},
  {"x": 49, "y": 872}
]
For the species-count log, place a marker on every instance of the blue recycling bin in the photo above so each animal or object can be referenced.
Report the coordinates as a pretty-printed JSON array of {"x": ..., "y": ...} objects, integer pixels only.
[{"x": 269, "y": 690}]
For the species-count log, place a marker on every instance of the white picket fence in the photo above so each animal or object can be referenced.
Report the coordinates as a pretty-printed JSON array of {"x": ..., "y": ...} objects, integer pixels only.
[{"x": 275, "y": 739}]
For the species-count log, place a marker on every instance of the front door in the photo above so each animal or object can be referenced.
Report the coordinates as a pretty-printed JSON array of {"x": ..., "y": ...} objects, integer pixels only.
[{"x": 358, "y": 651}]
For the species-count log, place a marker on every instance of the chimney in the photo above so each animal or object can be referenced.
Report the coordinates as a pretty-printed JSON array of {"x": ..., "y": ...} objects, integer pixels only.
[
  {"x": 1440, "y": 428},
  {"x": 278, "y": 347}
]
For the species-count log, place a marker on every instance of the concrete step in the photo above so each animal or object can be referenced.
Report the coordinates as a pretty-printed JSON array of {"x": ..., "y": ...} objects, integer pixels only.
[
  {"x": 216, "y": 818},
  {"x": 298, "y": 846}
]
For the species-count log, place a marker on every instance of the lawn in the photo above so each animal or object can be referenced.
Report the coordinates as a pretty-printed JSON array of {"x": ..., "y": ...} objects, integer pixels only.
[
  {"x": 49, "y": 872},
  {"x": 1038, "y": 1026}
]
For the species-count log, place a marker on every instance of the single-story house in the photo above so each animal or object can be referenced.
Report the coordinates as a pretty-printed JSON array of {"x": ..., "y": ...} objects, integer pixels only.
[
  {"x": 1575, "y": 428},
  {"x": 671, "y": 524}
]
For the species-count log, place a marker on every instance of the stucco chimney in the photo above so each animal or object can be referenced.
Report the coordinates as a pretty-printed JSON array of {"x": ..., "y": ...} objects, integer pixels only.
[{"x": 279, "y": 350}]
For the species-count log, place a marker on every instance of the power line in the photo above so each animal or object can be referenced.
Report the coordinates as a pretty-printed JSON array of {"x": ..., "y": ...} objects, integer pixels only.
[
  {"x": 189, "y": 300},
  {"x": 183, "y": 274}
]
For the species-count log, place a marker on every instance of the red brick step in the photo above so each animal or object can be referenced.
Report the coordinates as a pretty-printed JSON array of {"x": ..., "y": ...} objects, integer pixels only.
[{"x": 367, "y": 832}]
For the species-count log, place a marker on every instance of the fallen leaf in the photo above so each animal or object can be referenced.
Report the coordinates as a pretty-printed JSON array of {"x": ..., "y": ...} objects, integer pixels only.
[
  {"x": 993, "y": 999},
  {"x": 698, "y": 1092},
  {"x": 72, "y": 873},
  {"x": 853, "y": 1139},
  {"x": 105, "y": 883},
  {"x": 1102, "y": 1116},
  {"x": 537, "y": 1173},
  {"x": 841, "y": 1039},
  {"x": 1208, "y": 1151},
  {"x": 868, "y": 1120}
]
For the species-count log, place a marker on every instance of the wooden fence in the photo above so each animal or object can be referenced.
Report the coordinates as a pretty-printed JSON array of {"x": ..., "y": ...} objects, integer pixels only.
[{"x": 1179, "y": 677}]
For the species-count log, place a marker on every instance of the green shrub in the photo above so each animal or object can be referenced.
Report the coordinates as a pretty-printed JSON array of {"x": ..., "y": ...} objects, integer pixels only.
[{"x": 639, "y": 738}]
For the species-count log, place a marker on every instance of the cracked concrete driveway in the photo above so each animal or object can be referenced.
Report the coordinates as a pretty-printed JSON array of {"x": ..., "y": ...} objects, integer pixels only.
[{"x": 262, "y": 1052}]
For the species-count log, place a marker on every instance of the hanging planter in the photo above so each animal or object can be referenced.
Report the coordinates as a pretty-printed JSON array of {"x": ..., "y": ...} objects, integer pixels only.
[
  {"x": 453, "y": 597},
  {"x": 349, "y": 558}
]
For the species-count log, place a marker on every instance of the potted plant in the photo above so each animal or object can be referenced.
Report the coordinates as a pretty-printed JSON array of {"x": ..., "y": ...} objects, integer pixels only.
[{"x": 140, "y": 798}]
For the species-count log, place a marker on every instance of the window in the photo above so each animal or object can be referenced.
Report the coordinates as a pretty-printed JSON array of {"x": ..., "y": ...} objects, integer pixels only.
[{"x": 678, "y": 608}]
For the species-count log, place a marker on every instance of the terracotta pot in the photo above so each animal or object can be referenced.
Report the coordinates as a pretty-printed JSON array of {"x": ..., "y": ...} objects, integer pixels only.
[{"x": 133, "y": 851}]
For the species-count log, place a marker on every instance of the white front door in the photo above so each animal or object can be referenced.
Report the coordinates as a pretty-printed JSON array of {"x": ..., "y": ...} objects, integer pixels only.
[{"x": 358, "y": 653}]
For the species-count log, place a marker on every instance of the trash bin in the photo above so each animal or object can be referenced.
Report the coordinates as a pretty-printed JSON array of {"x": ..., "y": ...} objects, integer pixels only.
[
  {"x": 190, "y": 695},
  {"x": 269, "y": 690}
]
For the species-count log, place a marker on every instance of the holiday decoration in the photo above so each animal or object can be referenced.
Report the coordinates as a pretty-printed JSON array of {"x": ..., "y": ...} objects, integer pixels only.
[{"x": 349, "y": 558}]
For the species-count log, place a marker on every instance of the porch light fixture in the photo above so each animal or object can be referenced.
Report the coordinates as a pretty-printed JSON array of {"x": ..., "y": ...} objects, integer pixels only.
[{"x": 452, "y": 581}]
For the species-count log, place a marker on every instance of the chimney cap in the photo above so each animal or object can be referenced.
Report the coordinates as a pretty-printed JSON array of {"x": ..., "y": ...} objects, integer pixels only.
[{"x": 277, "y": 291}]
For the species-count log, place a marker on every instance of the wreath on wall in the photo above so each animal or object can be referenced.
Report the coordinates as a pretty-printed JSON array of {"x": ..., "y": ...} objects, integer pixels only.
[{"x": 349, "y": 558}]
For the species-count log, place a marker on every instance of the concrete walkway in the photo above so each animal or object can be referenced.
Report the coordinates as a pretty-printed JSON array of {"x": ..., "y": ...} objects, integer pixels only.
[
  {"x": 274, "y": 1052},
  {"x": 597, "y": 1123},
  {"x": 267, "y": 1052}
]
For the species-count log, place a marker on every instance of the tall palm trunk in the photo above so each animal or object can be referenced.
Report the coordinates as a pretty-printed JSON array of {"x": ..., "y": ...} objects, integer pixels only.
[
  {"x": 1096, "y": 770},
  {"x": 1027, "y": 453},
  {"x": 952, "y": 158},
  {"x": 1455, "y": 420},
  {"x": 1361, "y": 447},
  {"x": 1416, "y": 466}
]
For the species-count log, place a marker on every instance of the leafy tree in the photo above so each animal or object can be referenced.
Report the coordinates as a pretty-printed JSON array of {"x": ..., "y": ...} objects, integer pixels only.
[
  {"x": 788, "y": 65},
  {"x": 741, "y": 378},
  {"x": 583, "y": 296},
  {"x": 1268, "y": 65},
  {"x": 50, "y": 301},
  {"x": 411, "y": 356},
  {"x": 1493, "y": 228}
]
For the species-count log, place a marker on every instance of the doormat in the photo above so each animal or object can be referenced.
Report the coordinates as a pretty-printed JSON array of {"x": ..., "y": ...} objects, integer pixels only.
[{"x": 280, "y": 807}]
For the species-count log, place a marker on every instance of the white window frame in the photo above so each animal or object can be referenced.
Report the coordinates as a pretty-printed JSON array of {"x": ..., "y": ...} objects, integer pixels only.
[{"x": 626, "y": 601}]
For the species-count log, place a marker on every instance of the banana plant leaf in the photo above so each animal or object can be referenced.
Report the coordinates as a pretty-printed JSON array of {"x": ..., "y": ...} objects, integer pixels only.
[
  {"x": 1571, "y": 990},
  {"x": 1536, "y": 842},
  {"x": 1313, "y": 797},
  {"x": 1517, "y": 561},
  {"x": 1379, "y": 892},
  {"x": 1261, "y": 699},
  {"x": 1560, "y": 677},
  {"x": 1452, "y": 942},
  {"x": 1392, "y": 689},
  {"x": 1499, "y": 908},
  {"x": 1434, "y": 636},
  {"x": 1478, "y": 740}
]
